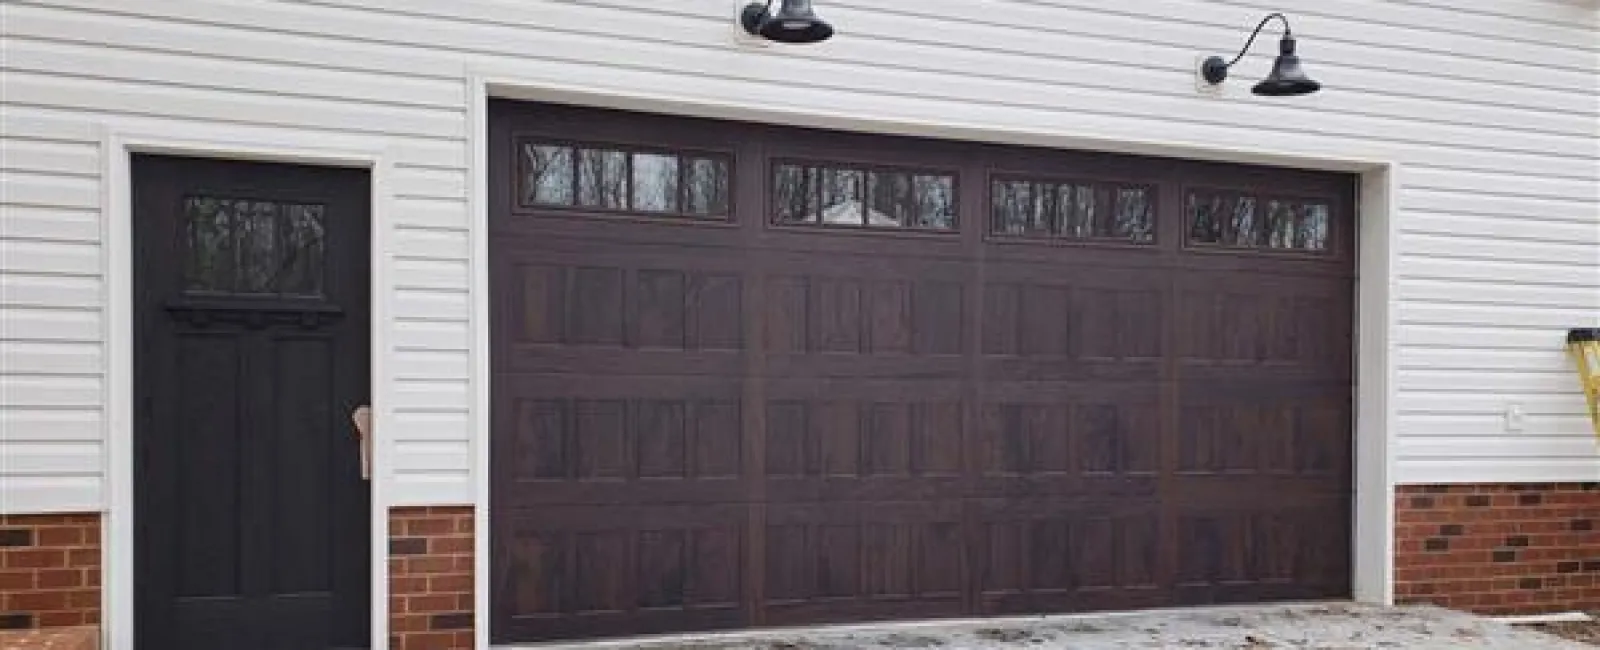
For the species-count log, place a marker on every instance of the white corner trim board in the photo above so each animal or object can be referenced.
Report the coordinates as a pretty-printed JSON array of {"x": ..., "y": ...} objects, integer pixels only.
[
  {"x": 118, "y": 148},
  {"x": 478, "y": 225}
]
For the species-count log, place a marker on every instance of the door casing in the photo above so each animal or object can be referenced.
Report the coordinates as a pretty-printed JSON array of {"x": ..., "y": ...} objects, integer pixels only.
[{"x": 118, "y": 147}]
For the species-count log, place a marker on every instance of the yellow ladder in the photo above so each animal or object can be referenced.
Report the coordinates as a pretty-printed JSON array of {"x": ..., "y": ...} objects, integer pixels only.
[{"x": 1585, "y": 347}]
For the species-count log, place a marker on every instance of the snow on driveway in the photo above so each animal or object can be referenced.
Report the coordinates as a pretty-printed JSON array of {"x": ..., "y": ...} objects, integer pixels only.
[{"x": 1320, "y": 626}]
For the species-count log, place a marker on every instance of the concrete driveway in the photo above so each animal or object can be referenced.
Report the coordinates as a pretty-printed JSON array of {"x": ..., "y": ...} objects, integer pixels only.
[{"x": 1316, "y": 626}]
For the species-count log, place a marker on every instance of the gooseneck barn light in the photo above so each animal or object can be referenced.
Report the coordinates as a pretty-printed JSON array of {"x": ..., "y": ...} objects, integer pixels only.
[
  {"x": 795, "y": 22},
  {"x": 1286, "y": 78}
]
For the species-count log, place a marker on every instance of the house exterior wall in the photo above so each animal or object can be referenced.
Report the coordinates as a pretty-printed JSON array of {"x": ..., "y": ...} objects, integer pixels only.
[
  {"x": 1486, "y": 106},
  {"x": 1486, "y": 109},
  {"x": 430, "y": 578},
  {"x": 1519, "y": 548},
  {"x": 49, "y": 571}
]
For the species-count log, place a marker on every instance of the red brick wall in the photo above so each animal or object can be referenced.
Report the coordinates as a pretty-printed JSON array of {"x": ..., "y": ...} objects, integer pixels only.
[
  {"x": 1500, "y": 548},
  {"x": 430, "y": 578},
  {"x": 49, "y": 570}
]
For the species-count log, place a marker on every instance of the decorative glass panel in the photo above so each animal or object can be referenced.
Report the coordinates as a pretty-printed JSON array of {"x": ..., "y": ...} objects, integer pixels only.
[
  {"x": 1020, "y": 208},
  {"x": 616, "y": 179},
  {"x": 1216, "y": 218},
  {"x": 841, "y": 197},
  {"x": 1073, "y": 210},
  {"x": 1312, "y": 233},
  {"x": 875, "y": 198},
  {"x": 936, "y": 201},
  {"x": 889, "y": 202},
  {"x": 706, "y": 186},
  {"x": 1294, "y": 225},
  {"x": 1279, "y": 224},
  {"x": 655, "y": 182},
  {"x": 209, "y": 259},
  {"x": 547, "y": 175},
  {"x": 256, "y": 224},
  {"x": 303, "y": 242},
  {"x": 1134, "y": 221},
  {"x": 1076, "y": 207},
  {"x": 796, "y": 192},
  {"x": 602, "y": 178},
  {"x": 253, "y": 247}
]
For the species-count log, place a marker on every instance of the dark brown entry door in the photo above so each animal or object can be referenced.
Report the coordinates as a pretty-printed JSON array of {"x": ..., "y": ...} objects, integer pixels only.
[
  {"x": 251, "y": 290},
  {"x": 747, "y": 375}
]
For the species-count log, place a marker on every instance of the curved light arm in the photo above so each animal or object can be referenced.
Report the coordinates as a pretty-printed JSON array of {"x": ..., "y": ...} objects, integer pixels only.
[{"x": 1287, "y": 33}]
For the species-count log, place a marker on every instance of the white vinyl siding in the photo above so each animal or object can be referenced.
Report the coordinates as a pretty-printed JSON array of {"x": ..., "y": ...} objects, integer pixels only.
[{"x": 1489, "y": 107}]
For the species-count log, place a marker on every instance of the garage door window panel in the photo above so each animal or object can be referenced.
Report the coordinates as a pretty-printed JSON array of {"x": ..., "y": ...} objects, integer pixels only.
[
  {"x": 616, "y": 179},
  {"x": 1072, "y": 210},
  {"x": 846, "y": 196},
  {"x": 1222, "y": 218}
]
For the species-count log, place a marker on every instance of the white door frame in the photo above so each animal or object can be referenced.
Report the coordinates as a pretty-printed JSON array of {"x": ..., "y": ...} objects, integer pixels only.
[
  {"x": 118, "y": 147},
  {"x": 1375, "y": 417}
]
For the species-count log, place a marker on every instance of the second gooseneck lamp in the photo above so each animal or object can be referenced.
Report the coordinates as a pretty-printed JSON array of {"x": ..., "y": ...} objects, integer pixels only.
[
  {"x": 1286, "y": 78},
  {"x": 795, "y": 22}
]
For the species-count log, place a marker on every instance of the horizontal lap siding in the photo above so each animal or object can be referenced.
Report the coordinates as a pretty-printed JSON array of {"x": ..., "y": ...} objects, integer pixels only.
[
  {"x": 1487, "y": 105},
  {"x": 70, "y": 71}
]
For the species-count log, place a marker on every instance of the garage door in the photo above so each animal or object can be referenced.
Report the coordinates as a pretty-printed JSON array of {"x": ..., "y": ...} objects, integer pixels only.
[{"x": 747, "y": 375}]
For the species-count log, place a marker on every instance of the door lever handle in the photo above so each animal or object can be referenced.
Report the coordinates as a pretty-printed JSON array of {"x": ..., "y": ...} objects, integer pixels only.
[{"x": 362, "y": 417}]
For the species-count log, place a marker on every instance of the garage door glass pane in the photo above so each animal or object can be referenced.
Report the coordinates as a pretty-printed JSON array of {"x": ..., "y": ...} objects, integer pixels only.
[
  {"x": 889, "y": 199},
  {"x": 874, "y": 198},
  {"x": 547, "y": 175},
  {"x": 936, "y": 201},
  {"x": 1133, "y": 221},
  {"x": 616, "y": 179},
  {"x": 1221, "y": 218},
  {"x": 1312, "y": 233},
  {"x": 706, "y": 186},
  {"x": 795, "y": 189},
  {"x": 1295, "y": 225},
  {"x": 841, "y": 197},
  {"x": 1240, "y": 221},
  {"x": 1019, "y": 209},
  {"x": 655, "y": 182},
  {"x": 1076, "y": 207},
  {"x": 1039, "y": 209},
  {"x": 601, "y": 179}
]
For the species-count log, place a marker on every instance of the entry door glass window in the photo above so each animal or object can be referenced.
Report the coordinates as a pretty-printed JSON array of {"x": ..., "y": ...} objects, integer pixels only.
[{"x": 248, "y": 246}]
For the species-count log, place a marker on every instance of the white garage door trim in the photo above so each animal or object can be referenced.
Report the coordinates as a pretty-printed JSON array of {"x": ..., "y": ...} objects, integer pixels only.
[{"x": 1375, "y": 371}]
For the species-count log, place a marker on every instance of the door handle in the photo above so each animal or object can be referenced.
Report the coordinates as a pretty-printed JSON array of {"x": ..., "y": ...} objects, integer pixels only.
[{"x": 362, "y": 417}]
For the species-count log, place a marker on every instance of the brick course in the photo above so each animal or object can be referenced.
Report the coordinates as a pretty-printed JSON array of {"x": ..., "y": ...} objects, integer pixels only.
[
  {"x": 49, "y": 571},
  {"x": 1499, "y": 548},
  {"x": 430, "y": 578}
]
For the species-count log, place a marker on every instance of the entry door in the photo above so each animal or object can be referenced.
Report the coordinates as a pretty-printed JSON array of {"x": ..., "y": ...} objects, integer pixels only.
[{"x": 251, "y": 295}]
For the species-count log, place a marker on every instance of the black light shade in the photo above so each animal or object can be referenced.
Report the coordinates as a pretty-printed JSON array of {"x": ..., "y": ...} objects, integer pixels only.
[
  {"x": 795, "y": 22},
  {"x": 1286, "y": 77}
]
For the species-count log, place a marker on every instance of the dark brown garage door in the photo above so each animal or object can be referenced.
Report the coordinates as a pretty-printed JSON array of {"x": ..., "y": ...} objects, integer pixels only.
[{"x": 748, "y": 375}]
